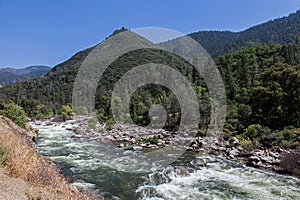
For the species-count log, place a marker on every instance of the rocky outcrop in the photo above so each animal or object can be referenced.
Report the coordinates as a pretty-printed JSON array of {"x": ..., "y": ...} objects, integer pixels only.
[
  {"x": 273, "y": 159},
  {"x": 290, "y": 162}
]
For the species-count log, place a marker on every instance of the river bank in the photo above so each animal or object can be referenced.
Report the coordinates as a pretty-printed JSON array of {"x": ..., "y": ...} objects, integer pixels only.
[{"x": 25, "y": 174}]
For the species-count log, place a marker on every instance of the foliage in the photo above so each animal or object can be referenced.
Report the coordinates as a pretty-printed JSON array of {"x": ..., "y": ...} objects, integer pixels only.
[
  {"x": 80, "y": 110},
  {"x": 288, "y": 137},
  {"x": 263, "y": 87},
  {"x": 253, "y": 131},
  {"x": 151, "y": 140},
  {"x": 35, "y": 109},
  {"x": 92, "y": 123},
  {"x": 252, "y": 136},
  {"x": 277, "y": 99},
  {"x": 247, "y": 144},
  {"x": 15, "y": 113},
  {"x": 66, "y": 112}
]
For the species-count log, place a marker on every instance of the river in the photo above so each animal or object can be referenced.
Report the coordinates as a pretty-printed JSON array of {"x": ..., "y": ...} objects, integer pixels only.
[{"x": 88, "y": 164}]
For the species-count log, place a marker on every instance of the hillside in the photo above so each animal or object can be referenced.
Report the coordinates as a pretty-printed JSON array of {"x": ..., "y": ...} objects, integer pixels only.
[
  {"x": 281, "y": 31},
  {"x": 9, "y": 75},
  {"x": 55, "y": 89}
]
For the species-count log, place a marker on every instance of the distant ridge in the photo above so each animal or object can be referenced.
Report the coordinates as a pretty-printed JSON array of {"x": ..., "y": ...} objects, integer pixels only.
[
  {"x": 283, "y": 30},
  {"x": 10, "y": 75}
]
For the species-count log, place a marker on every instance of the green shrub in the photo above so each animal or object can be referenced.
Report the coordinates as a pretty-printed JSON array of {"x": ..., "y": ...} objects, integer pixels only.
[
  {"x": 110, "y": 121},
  {"x": 247, "y": 144},
  {"x": 80, "y": 110},
  {"x": 66, "y": 112},
  {"x": 92, "y": 123},
  {"x": 253, "y": 131},
  {"x": 151, "y": 140},
  {"x": 15, "y": 113},
  {"x": 288, "y": 136}
]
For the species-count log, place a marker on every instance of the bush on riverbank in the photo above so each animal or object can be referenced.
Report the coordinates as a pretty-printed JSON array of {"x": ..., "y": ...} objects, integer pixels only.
[
  {"x": 256, "y": 136},
  {"x": 14, "y": 112}
]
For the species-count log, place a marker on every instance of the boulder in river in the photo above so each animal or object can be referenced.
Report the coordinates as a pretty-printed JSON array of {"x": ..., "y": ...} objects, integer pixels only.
[
  {"x": 121, "y": 145},
  {"x": 198, "y": 162}
]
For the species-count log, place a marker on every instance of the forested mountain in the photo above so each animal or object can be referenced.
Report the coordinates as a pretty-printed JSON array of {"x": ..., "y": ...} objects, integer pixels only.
[
  {"x": 251, "y": 77},
  {"x": 262, "y": 83},
  {"x": 282, "y": 31},
  {"x": 11, "y": 75},
  {"x": 263, "y": 86},
  {"x": 55, "y": 89}
]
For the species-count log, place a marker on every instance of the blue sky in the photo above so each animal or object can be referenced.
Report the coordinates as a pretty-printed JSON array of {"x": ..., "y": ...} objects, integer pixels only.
[{"x": 50, "y": 31}]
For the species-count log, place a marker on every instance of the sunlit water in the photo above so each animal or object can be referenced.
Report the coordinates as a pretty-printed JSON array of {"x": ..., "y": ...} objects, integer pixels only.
[{"x": 92, "y": 165}]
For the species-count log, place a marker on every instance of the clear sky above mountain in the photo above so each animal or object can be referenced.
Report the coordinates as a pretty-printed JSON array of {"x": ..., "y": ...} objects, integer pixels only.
[{"x": 50, "y": 31}]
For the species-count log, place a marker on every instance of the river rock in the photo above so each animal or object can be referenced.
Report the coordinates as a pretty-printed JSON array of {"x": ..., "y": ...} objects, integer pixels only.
[
  {"x": 143, "y": 145},
  {"x": 255, "y": 159},
  {"x": 222, "y": 148},
  {"x": 234, "y": 140},
  {"x": 183, "y": 171},
  {"x": 76, "y": 136},
  {"x": 152, "y": 146},
  {"x": 234, "y": 153},
  {"x": 198, "y": 162},
  {"x": 266, "y": 159},
  {"x": 137, "y": 148},
  {"x": 121, "y": 145},
  {"x": 240, "y": 148},
  {"x": 274, "y": 155}
]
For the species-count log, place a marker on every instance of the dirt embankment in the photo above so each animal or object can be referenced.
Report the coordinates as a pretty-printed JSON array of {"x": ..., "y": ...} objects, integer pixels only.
[
  {"x": 24, "y": 173},
  {"x": 12, "y": 188}
]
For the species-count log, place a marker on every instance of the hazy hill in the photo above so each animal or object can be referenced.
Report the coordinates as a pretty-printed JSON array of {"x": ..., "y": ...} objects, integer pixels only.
[
  {"x": 282, "y": 31},
  {"x": 12, "y": 75}
]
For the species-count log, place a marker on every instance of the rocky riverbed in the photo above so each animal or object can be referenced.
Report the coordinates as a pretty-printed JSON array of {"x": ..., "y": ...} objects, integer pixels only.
[
  {"x": 92, "y": 162},
  {"x": 136, "y": 138}
]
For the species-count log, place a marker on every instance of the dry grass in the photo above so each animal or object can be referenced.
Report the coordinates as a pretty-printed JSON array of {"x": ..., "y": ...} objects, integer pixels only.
[{"x": 43, "y": 177}]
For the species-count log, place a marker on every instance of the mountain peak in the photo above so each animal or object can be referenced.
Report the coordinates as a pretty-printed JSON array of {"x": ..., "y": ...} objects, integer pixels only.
[{"x": 117, "y": 31}]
